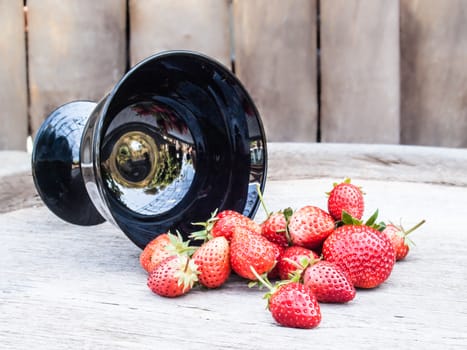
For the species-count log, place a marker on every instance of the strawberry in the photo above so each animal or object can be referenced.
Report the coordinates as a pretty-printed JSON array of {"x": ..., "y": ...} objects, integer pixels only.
[
  {"x": 328, "y": 282},
  {"x": 274, "y": 273},
  {"x": 223, "y": 224},
  {"x": 292, "y": 259},
  {"x": 173, "y": 277},
  {"x": 363, "y": 252},
  {"x": 228, "y": 212},
  {"x": 309, "y": 227},
  {"x": 291, "y": 303},
  {"x": 345, "y": 197},
  {"x": 157, "y": 248},
  {"x": 274, "y": 228},
  {"x": 247, "y": 249},
  {"x": 226, "y": 225},
  {"x": 213, "y": 261},
  {"x": 400, "y": 240},
  {"x": 162, "y": 247},
  {"x": 295, "y": 305}
]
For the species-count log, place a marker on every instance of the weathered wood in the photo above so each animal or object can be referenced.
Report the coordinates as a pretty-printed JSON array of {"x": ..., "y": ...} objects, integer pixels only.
[
  {"x": 288, "y": 161},
  {"x": 64, "y": 286},
  {"x": 372, "y": 161},
  {"x": 159, "y": 25},
  {"x": 16, "y": 184},
  {"x": 434, "y": 72},
  {"x": 13, "y": 91},
  {"x": 360, "y": 71},
  {"x": 275, "y": 57},
  {"x": 77, "y": 51}
]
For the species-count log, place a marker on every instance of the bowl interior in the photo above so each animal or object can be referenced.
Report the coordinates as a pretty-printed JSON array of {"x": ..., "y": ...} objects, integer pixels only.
[{"x": 180, "y": 138}]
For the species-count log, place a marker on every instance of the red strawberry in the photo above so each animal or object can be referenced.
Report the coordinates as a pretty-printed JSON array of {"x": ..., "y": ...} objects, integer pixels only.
[
  {"x": 223, "y": 224},
  {"x": 162, "y": 247},
  {"x": 309, "y": 226},
  {"x": 295, "y": 305},
  {"x": 399, "y": 238},
  {"x": 274, "y": 273},
  {"x": 291, "y": 303},
  {"x": 154, "y": 252},
  {"x": 346, "y": 197},
  {"x": 228, "y": 212},
  {"x": 291, "y": 260},
  {"x": 226, "y": 225},
  {"x": 248, "y": 249},
  {"x": 213, "y": 261},
  {"x": 274, "y": 228},
  {"x": 363, "y": 252},
  {"x": 173, "y": 277},
  {"x": 328, "y": 282}
]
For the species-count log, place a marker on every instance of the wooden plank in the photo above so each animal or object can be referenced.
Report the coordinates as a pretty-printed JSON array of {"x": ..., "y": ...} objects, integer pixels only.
[
  {"x": 360, "y": 71},
  {"x": 13, "y": 89},
  {"x": 17, "y": 189},
  {"x": 275, "y": 57},
  {"x": 435, "y": 165},
  {"x": 438, "y": 165},
  {"x": 64, "y": 286},
  {"x": 77, "y": 50},
  {"x": 198, "y": 25},
  {"x": 434, "y": 72}
]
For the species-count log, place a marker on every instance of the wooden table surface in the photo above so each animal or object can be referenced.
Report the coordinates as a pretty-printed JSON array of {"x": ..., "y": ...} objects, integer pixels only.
[{"x": 65, "y": 286}]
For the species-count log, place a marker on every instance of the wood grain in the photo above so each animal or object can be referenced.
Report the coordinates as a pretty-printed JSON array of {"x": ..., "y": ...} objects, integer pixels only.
[
  {"x": 13, "y": 88},
  {"x": 434, "y": 72},
  {"x": 198, "y": 25},
  {"x": 64, "y": 286},
  {"x": 275, "y": 57},
  {"x": 17, "y": 189},
  {"x": 360, "y": 71},
  {"x": 292, "y": 161},
  {"x": 436, "y": 165},
  {"x": 77, "y": 51}
]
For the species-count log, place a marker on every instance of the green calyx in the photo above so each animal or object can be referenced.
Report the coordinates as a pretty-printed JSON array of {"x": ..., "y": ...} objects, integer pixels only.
[
  {"x": 178, "y": 246},
  {"x": 301, "y": 265},
  {"x": 405, "y": 233},
  {"x": 205, "y": 233},
  {"x": 188, "y": 273},
  {"x": 348, "y": 219},
  {"x": 264, "y": 282}
]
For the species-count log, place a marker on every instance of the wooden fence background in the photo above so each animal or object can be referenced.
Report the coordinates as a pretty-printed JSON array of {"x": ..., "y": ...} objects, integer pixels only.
[{"x": 369, "y": 71}]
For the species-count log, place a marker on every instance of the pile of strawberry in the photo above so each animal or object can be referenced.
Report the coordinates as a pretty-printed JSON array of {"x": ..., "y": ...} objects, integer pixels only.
[{"x": 315, "y": 255}]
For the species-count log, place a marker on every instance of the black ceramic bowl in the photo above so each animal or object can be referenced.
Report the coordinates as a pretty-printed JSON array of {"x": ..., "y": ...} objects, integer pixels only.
[{"x": 177, "y": 138}]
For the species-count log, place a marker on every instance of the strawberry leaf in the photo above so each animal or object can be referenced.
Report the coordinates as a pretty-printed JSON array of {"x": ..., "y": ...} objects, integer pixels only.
[
  {"x": 348, "y": 219},
  {"x": 372, "y": 219},
  {"x": 178, "y": 246},
  {"x": 381, "y": 226},
  {"x": 205, "y": 233}
]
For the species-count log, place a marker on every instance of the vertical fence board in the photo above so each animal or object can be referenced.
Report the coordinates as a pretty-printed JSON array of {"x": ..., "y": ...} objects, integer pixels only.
[
  {"x": 360, "y": 71},
  {"x": 77, "y": 50},
  {"x": 198, "y": 25},
  {"x": 434, "y": 72},
  {"x": 275, "y": 57},
  {"x": 13, "y": 92}
]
